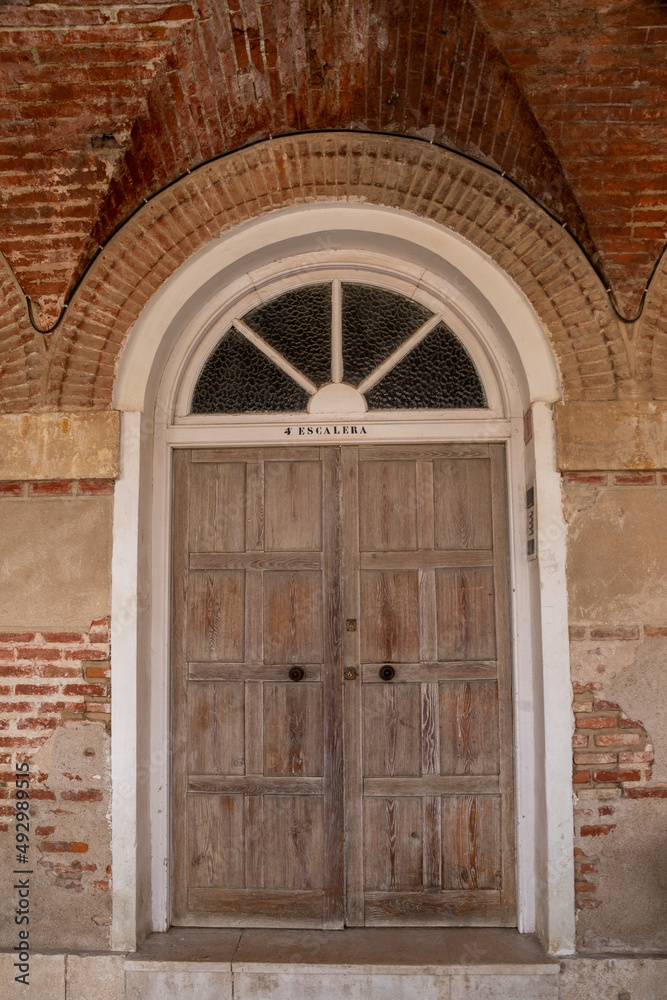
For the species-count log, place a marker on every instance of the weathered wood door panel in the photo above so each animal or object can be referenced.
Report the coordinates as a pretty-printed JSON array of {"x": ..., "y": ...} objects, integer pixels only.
[
  {"x": 426, "y": 568},
  {"x": 342, "y": 561},
  {"x": 257, "y": 755}
]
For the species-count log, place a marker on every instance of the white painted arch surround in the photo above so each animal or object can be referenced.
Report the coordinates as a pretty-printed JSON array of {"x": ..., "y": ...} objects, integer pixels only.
[{"x": 156, "y": 370}]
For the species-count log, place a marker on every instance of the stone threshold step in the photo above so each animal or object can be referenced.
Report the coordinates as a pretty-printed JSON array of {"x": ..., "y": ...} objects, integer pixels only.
[
  {"x": 357, "y": 964},
  {"x": 430, "y": 950}
]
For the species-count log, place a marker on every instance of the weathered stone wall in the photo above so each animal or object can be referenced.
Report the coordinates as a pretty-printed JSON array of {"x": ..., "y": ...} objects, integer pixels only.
[
  {"x": 617, "y": 581},
  {"x": 56, "y": 549},
  {"x": 61, "y": 446},
  {"x": 55, "y": 540},
  {"x": 54, "y": 688}
]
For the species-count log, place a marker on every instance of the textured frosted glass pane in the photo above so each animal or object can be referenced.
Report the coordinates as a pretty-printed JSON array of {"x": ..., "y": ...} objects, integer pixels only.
[
  {"x": 437, "y": 374},
  {"x": 375, "y": 322},
  {"x": 238, "y": 378},
  {"x": 298, "y": 325}
]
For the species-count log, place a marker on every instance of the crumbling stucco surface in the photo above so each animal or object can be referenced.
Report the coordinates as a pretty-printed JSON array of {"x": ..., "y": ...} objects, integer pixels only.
[
  {"x": 632, "y": 673},
  {"x": 55, "y": 562},
  {"x": 631, "y": 878},
  {"x": 59, "y": 445},
  {"x": 68, "y": 909},
  {"x": 612, "y": 434},
  {"x": 617, "y": 587},
  {"x": 617, "y": 576},
  {"x": 617, "y": 557},
  {"x": 641, "y": 689}
]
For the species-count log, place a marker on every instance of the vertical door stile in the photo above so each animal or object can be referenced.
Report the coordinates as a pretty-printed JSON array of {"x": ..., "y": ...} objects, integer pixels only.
[
  {"x": 333, "y": 903},
  {"x": 179, "y": 683},
  {"x": 501, "y": 568},
  {"x": 297, "y": 641},
  {"x": 352, "y": 692},
  {"x": 425, "y": 534},
  {"x": 430, "y": 701},
  {"x": 253, "y": 805}
]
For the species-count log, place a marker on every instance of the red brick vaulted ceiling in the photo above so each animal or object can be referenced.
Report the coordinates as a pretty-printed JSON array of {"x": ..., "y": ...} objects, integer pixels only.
[
  {"x": 103, "y": 103},
  {"x": 595, "y": 76},
  {"x": 73, "y": 80}
]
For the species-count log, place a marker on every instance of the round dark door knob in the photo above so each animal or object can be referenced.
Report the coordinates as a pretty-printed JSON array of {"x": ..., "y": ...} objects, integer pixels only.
[
  {"x": 296, "y": 673},
  {"x": 387, "y": 672}
]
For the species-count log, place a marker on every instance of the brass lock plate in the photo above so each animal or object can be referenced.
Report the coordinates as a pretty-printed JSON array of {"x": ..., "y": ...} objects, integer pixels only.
[{"x": 350, "y": 674}]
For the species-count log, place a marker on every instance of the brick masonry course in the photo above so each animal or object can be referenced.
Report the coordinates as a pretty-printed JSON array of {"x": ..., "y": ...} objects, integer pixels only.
[
  {"x": 64, "y": 676},
  {"x": 609, "y": 749},
  {"x": 478, "y": 204},
  {"x": 612, "y": 753},
  {"x": 52, "y": 682}
]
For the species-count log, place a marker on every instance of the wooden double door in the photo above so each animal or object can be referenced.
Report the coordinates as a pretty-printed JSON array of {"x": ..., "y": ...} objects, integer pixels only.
[{"x": 342, "y": 735}]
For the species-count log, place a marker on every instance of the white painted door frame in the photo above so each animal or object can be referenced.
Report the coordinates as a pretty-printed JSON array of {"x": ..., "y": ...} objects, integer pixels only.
[{"x": 484, "y": 304}]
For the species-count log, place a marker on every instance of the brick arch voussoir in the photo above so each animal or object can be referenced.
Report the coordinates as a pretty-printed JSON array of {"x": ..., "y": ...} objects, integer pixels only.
[
  {"x": 22, "y": 349},
  {"x": 650, "y": 336},
  {"x": 540, "y": 256}
]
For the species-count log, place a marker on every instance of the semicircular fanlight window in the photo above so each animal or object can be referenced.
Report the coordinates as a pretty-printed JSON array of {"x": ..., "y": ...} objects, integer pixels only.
[
  {"x": 297, "y": 324},
  {"x": 391, "y": 348},
  {"x": 375, "y": 322},
  {"x": 437, "y": 374},
  {"x": 239, "y": 378}
]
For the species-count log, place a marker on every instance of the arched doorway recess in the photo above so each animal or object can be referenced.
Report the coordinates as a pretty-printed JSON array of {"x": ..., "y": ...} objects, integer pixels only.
[
  {"x": 340, "y": 657},
  {"x": 510, "y": 350}
]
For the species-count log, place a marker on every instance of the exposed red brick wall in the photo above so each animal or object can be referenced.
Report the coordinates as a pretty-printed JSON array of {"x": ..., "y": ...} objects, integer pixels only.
[
  {"x": 61, "y": 487},
  {"x": 613, "y": 752},
  {"x": 22, "y": 353},
  {"x": 47, "y": 680},
  {"x": 601, "y": 480},
  {"x": 585, "y": 870},
  {"x": 89, "y": 81},
  {"x": 537, "y": 253},
  {"x": 169, "y": 85},
  {"x": 612, "y": 758},
  {"x": 610, "y": 750},
  {"x": 593, "y": 824},
  {"x": 55, "y": 715}
]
